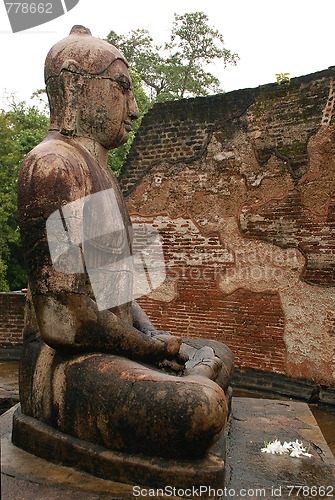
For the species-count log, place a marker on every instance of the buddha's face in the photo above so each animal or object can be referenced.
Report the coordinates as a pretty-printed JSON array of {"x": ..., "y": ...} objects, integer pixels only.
[{"x": 107, "y": 106}]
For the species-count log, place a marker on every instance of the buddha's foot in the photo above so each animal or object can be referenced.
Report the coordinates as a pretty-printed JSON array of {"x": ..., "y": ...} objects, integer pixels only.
[{"x": 204, "y": 363}]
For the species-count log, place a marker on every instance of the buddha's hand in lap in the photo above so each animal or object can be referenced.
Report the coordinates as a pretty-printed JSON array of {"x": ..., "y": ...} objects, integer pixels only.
[{"x": 176, "y": 357}]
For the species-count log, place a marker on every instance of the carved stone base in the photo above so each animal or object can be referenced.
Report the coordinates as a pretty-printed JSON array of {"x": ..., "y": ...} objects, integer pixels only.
[{"x": 46, "y": 442}]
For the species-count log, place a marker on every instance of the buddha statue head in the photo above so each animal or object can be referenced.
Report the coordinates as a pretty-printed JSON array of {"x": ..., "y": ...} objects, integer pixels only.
[{"x": 89, "y": 89}]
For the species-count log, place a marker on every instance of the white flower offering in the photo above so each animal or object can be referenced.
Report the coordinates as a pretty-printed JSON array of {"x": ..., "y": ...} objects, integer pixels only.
[{"x": 293, "y": 448}]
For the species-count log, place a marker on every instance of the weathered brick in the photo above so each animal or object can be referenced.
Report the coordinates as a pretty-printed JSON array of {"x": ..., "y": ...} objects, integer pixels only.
[{"x": 11, "y": 319}]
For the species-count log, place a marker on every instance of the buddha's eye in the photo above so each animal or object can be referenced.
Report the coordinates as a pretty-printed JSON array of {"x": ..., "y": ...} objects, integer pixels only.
[{"x": 124, "y": 84}]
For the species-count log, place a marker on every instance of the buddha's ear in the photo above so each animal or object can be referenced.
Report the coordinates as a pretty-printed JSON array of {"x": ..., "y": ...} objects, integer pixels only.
[{"x": 72, "y": 82}]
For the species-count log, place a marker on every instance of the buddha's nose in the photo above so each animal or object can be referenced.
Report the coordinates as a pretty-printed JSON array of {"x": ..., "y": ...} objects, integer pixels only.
[{"x": 133, "y": 110}]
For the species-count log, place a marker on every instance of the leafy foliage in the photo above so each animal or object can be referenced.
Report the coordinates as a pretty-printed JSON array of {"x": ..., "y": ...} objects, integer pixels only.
[
  {"x": 176, "y": 70},
  {"x": 21, "y": 129},
  {"x": 283, "y": 78}
]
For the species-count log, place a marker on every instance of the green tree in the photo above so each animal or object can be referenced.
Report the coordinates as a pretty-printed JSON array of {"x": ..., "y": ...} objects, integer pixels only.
[
  {"x": 21, "y": 129},
  {"x": 283, "y": 78},
  {"x": 176, "y": 70}
]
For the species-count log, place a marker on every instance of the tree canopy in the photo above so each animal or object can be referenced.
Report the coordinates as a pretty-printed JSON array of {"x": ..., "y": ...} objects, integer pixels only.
[
  {"x": 21, "y": 129},
  {"x": 176, "y": 70}
]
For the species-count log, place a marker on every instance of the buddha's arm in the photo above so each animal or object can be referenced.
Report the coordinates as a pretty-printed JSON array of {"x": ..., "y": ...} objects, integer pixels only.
[
  {"x": 141, "y": 320},
  {"x": 72, "y": 322}
]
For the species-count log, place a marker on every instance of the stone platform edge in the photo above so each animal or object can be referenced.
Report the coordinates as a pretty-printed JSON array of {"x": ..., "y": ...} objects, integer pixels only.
[{"x": 247, "y": 469}]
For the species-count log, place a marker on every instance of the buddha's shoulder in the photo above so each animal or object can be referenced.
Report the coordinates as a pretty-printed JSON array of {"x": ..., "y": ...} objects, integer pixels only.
[
  {"x": 52, "y": 173},
  {"x": 55, "y": 150}
]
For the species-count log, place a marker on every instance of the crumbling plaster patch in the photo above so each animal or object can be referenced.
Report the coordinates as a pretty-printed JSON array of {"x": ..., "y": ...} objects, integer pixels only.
[{"x": 308, "y": 333}]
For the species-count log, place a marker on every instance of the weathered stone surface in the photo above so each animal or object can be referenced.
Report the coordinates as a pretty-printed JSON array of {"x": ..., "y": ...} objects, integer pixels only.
[
  {"x": 261, "y": 474},
  {"x": 271, "y": 384},
  {"x": 47, "y": 442}
]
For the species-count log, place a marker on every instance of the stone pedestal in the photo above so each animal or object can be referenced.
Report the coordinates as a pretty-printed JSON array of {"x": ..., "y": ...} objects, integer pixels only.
[{"x": 49, "y": 443}]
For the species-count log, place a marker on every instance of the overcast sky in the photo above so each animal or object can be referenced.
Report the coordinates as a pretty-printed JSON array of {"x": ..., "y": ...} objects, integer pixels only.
[{"x": 294, "y": 36}]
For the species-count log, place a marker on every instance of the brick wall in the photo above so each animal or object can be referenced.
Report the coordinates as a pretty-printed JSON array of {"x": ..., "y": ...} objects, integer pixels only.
[
  {"x": 242, "y": 189},
  {"x": 11, "y": 319}
]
